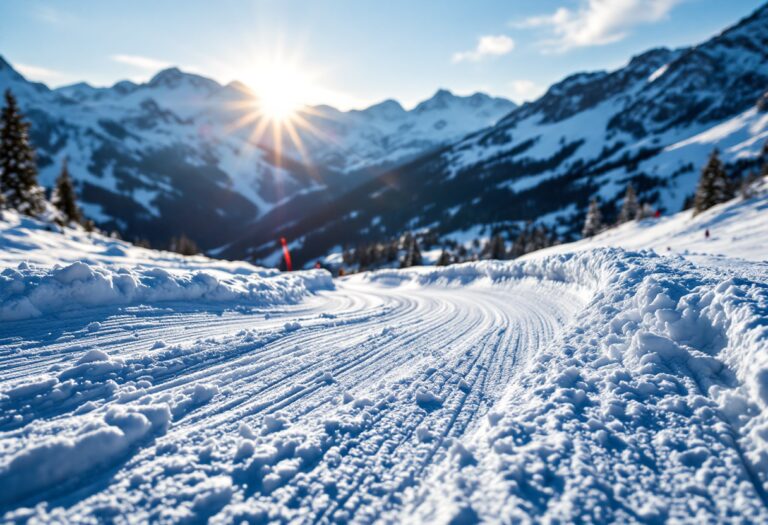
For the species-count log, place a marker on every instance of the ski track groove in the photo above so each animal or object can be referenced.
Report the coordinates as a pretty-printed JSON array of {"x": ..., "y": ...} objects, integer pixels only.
[{"x": 384, "y": 344}]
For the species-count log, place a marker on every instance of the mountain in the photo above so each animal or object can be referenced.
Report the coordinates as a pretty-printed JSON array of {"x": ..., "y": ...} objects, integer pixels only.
[
  {"x": 178, "y": 154},
  {"x": 386, "y": 134},
  {"x": 651, "y": 123}
]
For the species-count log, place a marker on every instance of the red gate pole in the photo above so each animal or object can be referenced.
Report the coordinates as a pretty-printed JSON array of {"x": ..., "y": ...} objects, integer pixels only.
[{"x": 286, "y": 254}]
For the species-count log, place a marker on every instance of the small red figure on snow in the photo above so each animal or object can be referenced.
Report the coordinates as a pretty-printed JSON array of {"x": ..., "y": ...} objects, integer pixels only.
[
  {"x": 317, "y": 265},
  {"x": 657, "y": 214}
]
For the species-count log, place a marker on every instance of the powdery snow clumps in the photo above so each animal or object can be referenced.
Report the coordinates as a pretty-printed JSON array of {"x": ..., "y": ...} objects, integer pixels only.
[{"x": 31, "y": 291}]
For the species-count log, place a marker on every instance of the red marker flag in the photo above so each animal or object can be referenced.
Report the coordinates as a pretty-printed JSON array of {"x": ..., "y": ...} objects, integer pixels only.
[{"x": 286, "y": 254}]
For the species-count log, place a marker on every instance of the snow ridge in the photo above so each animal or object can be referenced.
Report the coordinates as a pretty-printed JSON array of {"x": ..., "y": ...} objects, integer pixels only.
[{"x": 30, "y": 291}]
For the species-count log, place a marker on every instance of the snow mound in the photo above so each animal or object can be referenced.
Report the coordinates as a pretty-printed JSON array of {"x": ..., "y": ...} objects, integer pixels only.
[
  {"x": 98, "y": 444},
  {"x": 30, "y": 291}
]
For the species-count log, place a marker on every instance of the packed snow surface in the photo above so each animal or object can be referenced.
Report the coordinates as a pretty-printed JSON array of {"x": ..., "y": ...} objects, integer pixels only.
[{"x": 596, "y": 385}]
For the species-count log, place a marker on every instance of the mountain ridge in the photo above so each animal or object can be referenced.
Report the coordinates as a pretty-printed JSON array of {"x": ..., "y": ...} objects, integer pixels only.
[
  {"x": 652, "y": 123},
  {"x": 139, "y": 152}
]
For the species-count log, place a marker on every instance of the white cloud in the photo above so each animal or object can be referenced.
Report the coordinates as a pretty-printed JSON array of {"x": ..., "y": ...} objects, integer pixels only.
[
  {"x": 525, "y": 90},
  {"x": 146, "y": 63},
  {"x": 596, "y": 22},
  {"x": 487, "y": 46}
]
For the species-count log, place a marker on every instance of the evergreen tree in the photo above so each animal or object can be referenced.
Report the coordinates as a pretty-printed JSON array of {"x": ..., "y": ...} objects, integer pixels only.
[
  {"x": 747, "y": 190},
  {"x": 496, "y": 248},
  {"x": 18, "y": 172},
  {"x": 714, "y": 186},
  {"x": 764, "y": 157},
  {"x": 539, "y": 238},
  {"x": 348, "y": 257},
  {"x": 519, "y": 246},
  {"x": 630, "y": 207},
  {"x": 444, "y": 259},
  {"x": 183, "y": 245},
  {"x": 64, "y": 198},
  {"x": 391, "y": 251},
  {"x": 593, "y": 223},
  {"x": 412, "y": 251}
]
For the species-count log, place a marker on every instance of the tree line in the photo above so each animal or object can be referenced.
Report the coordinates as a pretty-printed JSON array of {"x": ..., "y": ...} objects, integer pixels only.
[
  {"x": 506, "y": 242},
  {"x": 21, "y": 191},
  {"x": 19, "y": 187},
  {"x": 716, "y": 186}
]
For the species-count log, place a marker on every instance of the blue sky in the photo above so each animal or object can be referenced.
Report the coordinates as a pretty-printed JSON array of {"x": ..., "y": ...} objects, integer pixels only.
[{"x": 352, "y": 53}]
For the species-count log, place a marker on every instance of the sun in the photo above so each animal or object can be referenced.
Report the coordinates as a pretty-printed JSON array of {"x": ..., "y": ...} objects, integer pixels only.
[
  {"x": 280, "y": 89},
  {"x": 275, "y": 109}
]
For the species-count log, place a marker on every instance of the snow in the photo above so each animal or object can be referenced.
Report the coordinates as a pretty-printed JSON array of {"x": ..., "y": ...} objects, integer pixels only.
[
  {"x": 30, "y": 291},
  {"x": 599, "y": 381},
  {"x": 737, "y": 230}
]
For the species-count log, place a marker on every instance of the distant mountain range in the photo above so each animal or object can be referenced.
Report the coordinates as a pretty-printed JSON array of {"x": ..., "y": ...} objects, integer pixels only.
[
  {"x": 168, "y": 156},
  {"x": 651, "y": 123},
  {"x": 157, "y": 159}
]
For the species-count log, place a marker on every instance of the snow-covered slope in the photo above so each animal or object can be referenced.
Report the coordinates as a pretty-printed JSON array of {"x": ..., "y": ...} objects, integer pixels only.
[
  {"x": 599, "y": 385},
  {"x": 652, "y": 122},
  {"x": 45, "y": 269},
  {"x": 738, "y": 229},
  {"x": 179, "y": 154}
]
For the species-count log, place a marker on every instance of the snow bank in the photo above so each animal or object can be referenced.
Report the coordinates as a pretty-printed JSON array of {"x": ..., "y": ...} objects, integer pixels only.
[
  {"x": 30, "y": 291},
  {"x": 584, "y": 271},
  {"x": 652, "y": 407}
]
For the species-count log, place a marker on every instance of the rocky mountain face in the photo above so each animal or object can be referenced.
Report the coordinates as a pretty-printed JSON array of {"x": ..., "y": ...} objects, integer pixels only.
[
  {"x": 178, "y": 154},
  {"x": 651, "y": 123}
]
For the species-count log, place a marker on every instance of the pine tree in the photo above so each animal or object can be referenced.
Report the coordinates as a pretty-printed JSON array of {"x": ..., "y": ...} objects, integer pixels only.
[
  {"x": 593, "y": 223},
  {"x": 64, "y": 198},
  {"x": 412, "y": 251},
  {"x": 18, "y": 172},
  {"x": 391, "y": 251},
  {"x": 444, "y": 259},
  {"x": 496, "y": 248},
  {"x": 764, "y": 158},
  {"x": 183, "y": 245},
  {"x": 630, "y": 207},
  {"x": 747, "y": 190},
  {"x": 714, "y": 186},
  {"x": 519, "y": 246},
  {"x": 539, "y": 238}
]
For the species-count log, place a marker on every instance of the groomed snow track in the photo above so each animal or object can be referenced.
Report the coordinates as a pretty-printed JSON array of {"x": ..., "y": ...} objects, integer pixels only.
[{"x": 384, "y": 400}]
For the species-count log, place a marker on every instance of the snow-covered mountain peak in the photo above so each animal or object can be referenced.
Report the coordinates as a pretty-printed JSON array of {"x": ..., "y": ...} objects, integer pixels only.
[
  {"x": 81, "y": 91},
  {"x": 7, "y": 71},
  {"x": 174, "y": 78},
  {"x": 389, "y": 109},
  {"x": 125, "y": 87},
  {"x": 445, "y": 100},
  {"x": 440, "y": 100}
]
